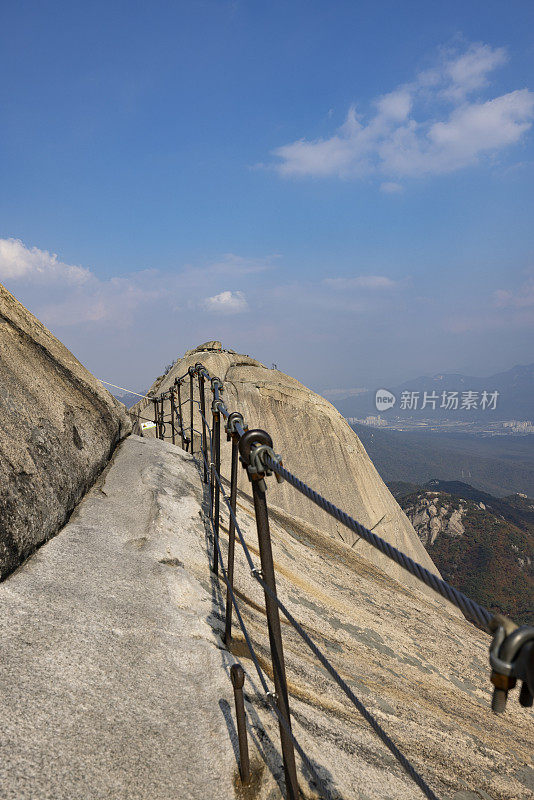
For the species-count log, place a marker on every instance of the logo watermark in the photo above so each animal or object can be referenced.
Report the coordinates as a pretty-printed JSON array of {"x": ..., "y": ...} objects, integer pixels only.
[
  {"x": 384, "y": 399},
  {"x": 447, "y": 400}
]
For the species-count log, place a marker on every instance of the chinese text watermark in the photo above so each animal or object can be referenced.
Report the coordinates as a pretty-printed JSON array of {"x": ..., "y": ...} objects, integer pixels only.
[{"x": 447, "y": 400}]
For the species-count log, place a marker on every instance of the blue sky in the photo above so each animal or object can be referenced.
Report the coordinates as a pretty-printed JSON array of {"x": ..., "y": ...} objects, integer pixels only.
[{"x": 343, "y": 188}]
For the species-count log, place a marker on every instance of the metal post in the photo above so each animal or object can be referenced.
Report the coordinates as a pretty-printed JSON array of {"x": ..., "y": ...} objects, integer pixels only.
[
  {"x": 156, "y": 416},
  {"x": 238, "y": 678},
  {"x": 231, "y": 543},
  {"x": 275, "y": 638},
  {"x": 216, "y": 437},
  {"x": 203, "y": 410},
  {"x": 178, "y": 387},
  {"x": 171, "y": 401},
  {"x": 162, "y": 419},
  {"x": 248, "y": 447},
  {"x": 191, "y": 371}
]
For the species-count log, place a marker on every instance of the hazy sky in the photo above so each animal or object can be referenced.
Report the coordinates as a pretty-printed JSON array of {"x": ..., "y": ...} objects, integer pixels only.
[{"x": 343, "y": 188}]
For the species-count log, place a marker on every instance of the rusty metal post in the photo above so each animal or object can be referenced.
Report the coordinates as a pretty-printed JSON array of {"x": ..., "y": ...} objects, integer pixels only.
[
  {"x": 247, "y": 446},
  {"x": 191, "y": 373},
  {"x": 156, "y": 416},
  {"x": 238, "y": 678},
  {"x": 201, "y": 391},
  {"x": 171, "y": 401},
  {"x": 162, "y": 419},
  {"x": 178, "y": 389},
  {"x": 231, "y": 542},
  {"x": 216, "y": 438},
  {"x": 275, "y": 638}
]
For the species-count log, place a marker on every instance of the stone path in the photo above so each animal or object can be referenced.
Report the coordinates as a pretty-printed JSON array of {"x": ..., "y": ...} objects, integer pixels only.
[{"x": 112, "y": 682}]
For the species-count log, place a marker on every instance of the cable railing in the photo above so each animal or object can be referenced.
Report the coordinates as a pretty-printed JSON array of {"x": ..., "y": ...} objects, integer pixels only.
[{"x": 512, "y": 648}]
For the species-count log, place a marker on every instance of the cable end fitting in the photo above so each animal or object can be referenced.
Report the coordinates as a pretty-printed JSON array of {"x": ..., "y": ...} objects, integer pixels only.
[
  {"x": 254, "y": 445},
  {"x": 233, "y": 418},
  {"x": 216, "y": 406},
  {"x": 511, "y": 658}
]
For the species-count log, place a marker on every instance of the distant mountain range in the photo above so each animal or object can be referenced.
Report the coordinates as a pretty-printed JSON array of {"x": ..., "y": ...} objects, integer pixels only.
[
  {"x": 482, "y": 544},
  {"x": 514, "y": 398}
]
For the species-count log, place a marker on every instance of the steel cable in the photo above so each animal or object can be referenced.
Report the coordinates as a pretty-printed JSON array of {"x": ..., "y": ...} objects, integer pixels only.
[
  {"x": 390, "y": 744},
  {"x": 470, "y": 608},
  {"x": 269, "y": 695}
]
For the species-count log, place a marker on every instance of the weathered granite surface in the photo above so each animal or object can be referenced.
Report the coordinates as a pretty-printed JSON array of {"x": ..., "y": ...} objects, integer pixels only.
[
  {"x": 112, "y": 682},
  {"x": 58, "y": 428},
  {"x": 316, "y": 443},
  {"x": 422, "y": 672}
]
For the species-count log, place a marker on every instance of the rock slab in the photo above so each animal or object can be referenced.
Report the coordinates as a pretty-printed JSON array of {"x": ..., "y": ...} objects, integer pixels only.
[
  {"x": 113, "y": 684},
  {"x": 58, "y": 428}
]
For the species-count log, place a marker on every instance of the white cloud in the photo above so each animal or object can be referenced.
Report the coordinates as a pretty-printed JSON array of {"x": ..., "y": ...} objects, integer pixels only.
[
  {"x": 361, "y": 282},
  {"x": 18, "y": 262},
  {"x": 522, "y": 298},
  {"x": 226, "y": 303},
  {"x": 111, "y": 302},
  {"x": 66, "y": 295},
  {"x": 394, "y": 142},
  {"x": 469, "y": 71},
  {"x": 395, "y": 105},
  {"x": 475, "y": 128}
]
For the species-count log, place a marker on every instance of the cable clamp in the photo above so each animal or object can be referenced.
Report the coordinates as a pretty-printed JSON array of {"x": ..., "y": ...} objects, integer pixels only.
[
  {"x": 257, "y": 466},
  {"x": 272, "y": 697},
  {"x": 233, "y": 418},
  {"x": 201, "y": 370},
  {"x": 257, "y": 573},
  {"x": 216, "y": 406},
  {"x": 511, "y": 658},
  {"x": 254, "y": 446}
]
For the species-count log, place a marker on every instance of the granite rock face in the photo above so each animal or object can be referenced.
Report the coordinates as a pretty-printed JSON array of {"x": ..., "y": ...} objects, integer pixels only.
[
  {"x": 419, "y": 670},
  {"x": 432, "y": 518},
  {"x": 316, "y": 443},
  {"x": 114, "y": 682},
  {"x": 59, "y": 427}
]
